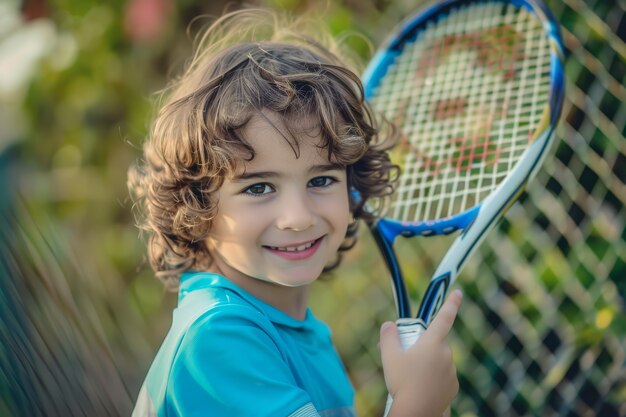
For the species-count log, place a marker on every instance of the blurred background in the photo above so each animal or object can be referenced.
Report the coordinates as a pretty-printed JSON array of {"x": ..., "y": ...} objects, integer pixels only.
[{"x": 542, "y": 330}]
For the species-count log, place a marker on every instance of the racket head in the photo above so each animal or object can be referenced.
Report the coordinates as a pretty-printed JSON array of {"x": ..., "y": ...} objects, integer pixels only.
[{"x": 475, "y": 89}]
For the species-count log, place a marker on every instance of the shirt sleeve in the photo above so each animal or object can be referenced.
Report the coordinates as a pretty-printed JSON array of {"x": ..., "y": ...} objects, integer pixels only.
[{"x": 230, "y": 363}]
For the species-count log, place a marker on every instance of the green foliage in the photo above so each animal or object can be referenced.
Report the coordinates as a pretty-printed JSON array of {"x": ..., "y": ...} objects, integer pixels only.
[{"x": 545, "y": 297}]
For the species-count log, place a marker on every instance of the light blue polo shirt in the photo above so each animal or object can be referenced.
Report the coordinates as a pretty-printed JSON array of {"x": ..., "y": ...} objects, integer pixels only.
[{"x": 231, "y": 354}]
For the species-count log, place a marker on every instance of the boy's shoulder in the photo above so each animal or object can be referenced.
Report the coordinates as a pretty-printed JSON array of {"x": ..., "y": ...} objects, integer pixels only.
[
  {"x": 211, "y": 313},
  {"x": 213, "y": 319}
]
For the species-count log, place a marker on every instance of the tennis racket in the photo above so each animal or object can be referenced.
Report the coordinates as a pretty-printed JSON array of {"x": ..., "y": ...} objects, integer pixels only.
[{"x": 476, "y": 90}]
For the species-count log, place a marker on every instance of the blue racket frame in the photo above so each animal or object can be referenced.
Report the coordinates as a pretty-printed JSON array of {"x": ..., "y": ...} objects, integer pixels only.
[{"x": 478, "y": 220}]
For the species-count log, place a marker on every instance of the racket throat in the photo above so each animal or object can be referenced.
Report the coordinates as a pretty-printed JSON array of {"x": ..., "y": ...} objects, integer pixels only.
[{"x": 434, "y": 298}]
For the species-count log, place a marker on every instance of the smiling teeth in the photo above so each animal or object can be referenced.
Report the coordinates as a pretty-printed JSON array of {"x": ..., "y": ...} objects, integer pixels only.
[{"x": 294, "y": 248}]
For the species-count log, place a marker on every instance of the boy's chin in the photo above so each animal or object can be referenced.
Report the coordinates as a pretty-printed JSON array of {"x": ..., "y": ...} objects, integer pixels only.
[
  {"x": 295, "y": 279},
  {"x": 294, "y": 282}
]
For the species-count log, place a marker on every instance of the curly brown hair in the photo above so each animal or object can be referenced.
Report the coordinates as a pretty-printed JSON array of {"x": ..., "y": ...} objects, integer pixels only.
[{"x": 249, "y": 61}]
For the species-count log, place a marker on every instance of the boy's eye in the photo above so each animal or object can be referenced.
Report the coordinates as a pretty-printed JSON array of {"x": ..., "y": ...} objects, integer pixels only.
[
  {"x": 258, "y": 189},
  {"x": 321, "y": 182}
]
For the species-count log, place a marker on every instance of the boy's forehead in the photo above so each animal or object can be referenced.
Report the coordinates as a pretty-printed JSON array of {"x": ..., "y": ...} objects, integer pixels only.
[
  {"x": 276, "y": 140},
  {"x": 292, "y": 125},
  {"x": 268, "y": 130}
]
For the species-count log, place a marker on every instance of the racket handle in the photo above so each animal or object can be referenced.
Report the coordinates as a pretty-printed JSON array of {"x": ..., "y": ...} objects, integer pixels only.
[{"x": 410, "y": 331}]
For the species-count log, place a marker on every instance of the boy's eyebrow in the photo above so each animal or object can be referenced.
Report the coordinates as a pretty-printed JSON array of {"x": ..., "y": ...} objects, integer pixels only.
[
  {"x": 247, "y": 175},
  {"x": 326, "y": 167},
  {"x": 254, "y": 174}
]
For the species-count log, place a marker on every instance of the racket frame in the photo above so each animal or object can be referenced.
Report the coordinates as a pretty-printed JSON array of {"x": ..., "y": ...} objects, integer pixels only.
[{"x": 476, "y": 221}]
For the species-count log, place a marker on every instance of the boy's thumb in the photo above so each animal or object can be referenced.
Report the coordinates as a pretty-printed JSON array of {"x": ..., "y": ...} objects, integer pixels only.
[{"x": 389, "y": 341}]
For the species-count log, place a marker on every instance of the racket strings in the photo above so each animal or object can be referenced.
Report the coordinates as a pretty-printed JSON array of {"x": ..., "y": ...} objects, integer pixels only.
[{"x": 467, "y": 96}]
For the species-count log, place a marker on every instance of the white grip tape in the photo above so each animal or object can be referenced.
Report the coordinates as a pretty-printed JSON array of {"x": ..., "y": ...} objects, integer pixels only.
[{"x": 410, "y": 331}]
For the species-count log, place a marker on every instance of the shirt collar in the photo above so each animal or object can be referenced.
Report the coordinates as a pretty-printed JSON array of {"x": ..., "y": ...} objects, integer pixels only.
[{"x": 193, "y": 281}]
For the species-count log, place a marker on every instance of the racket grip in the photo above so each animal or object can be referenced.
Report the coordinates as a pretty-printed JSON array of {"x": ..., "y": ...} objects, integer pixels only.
[{"x": 410, "y": 331}]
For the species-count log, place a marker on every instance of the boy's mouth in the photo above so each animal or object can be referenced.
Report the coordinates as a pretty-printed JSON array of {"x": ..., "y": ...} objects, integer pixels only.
[
  {"x": 296, "y": 252},
  {"x": 298, "y": 248}
]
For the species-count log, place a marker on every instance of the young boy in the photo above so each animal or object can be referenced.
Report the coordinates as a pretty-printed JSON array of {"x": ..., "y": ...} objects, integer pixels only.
[{"x": 247, "y": 195}]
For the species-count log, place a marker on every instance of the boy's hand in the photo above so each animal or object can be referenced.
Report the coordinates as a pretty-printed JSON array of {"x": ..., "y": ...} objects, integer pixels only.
[{"x": 422, "y": 380}]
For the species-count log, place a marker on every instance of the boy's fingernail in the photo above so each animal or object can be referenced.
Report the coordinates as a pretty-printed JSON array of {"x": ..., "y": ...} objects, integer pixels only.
[{"x": 386, "y": 325}]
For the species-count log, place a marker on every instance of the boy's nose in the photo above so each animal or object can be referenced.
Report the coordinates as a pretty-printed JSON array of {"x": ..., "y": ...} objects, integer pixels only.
[{"x": 295, "y": 213}]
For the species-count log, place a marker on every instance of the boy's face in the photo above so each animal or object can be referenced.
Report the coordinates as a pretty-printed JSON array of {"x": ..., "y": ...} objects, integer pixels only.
[{"x": 280, "y": 218}]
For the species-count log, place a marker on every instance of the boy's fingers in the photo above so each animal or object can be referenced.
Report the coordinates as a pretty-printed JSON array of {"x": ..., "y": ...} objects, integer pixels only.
[
  {"x": 443, "y": 321},
  {"x": 389, "y": 341}
]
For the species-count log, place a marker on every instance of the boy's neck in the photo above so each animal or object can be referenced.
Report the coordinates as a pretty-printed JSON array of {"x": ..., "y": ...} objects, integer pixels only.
[{"x": 292, "y": 301}]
